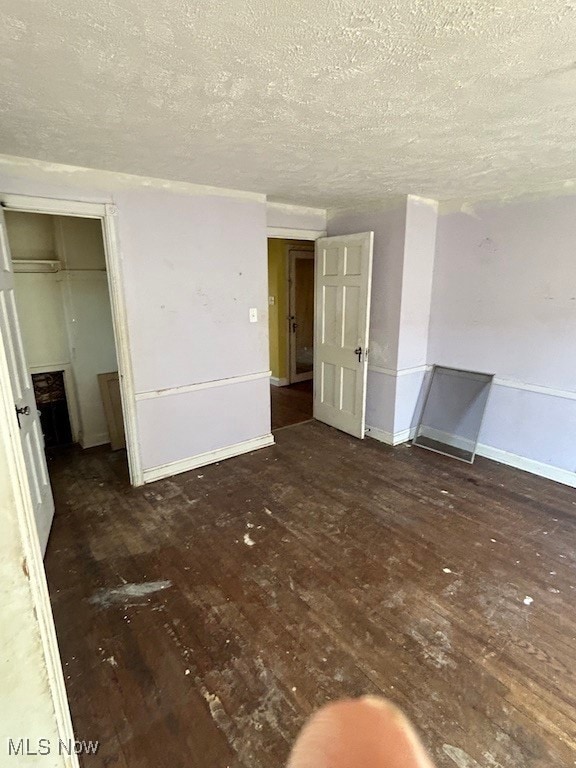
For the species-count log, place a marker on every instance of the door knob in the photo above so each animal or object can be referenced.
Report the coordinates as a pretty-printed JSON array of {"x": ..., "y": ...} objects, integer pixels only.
[
  {"x": 294, "y": 326},
  {"x": 358, "y": 351}
]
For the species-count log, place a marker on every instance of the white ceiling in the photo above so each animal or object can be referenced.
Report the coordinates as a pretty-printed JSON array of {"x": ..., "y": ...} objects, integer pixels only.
[{"x": 318, "y": 102}]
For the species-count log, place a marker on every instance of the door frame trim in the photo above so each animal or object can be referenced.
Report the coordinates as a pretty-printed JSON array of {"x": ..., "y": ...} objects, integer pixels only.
[
  {"x": 108, "y": 215},
  {"x": 283, "y": 233}
]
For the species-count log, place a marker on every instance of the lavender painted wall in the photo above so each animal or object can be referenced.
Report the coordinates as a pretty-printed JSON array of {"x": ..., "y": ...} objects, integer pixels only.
[
  {"x": 418, "y": 267},
  {"x": 415, "y": 299},
  {"x": 536, "y": 426},
  {"x": 505, "y": 291},
  {"x": 212, "y": 419},
  {"x": 193, "y": 267},
  {"x": 504, "y": 302},
  {"x": 388, "y": 225},
  {"x": 411, "y": 388},
  {"x": 193, "y": 264}
]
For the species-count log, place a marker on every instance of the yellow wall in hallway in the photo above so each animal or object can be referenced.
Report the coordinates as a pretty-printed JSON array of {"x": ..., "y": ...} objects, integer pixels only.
[{"x": 278, "y": 312}]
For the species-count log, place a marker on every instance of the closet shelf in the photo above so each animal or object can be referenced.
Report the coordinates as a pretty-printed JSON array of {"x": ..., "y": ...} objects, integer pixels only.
[{"x": 36, "y": 265}]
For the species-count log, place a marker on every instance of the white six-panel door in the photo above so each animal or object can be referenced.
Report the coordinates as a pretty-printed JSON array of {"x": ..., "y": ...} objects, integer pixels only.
[
  {"x": 31, "y": 436},
  {"x": 343, "y": 282}
]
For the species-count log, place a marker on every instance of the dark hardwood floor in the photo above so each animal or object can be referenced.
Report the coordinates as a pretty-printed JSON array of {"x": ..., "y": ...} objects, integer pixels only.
[
  {"x": 291, "y": 404},
  {"x": 201, "y": 619}
]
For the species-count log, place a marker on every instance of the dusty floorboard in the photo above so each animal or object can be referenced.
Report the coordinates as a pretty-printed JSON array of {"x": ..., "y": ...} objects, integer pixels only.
[{"x": 202, "y": 618}]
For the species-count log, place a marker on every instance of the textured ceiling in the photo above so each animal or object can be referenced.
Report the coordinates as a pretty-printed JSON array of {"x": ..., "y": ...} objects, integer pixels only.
[{"x": 318, "y": 102}]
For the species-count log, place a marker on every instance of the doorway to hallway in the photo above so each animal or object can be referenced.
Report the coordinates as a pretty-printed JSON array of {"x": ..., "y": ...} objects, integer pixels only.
[
  {"x": 291, "y": 329},
  {"x": 292, "y": 404}
]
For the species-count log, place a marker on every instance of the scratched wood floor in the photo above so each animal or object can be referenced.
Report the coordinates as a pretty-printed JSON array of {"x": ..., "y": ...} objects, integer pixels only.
[{"x": 201, "y": 619}]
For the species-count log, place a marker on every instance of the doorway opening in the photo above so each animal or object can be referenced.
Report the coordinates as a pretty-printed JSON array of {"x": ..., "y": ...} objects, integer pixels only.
[
  {"x": 291, "y": 330},
  {"x": 65, "y": 318}
]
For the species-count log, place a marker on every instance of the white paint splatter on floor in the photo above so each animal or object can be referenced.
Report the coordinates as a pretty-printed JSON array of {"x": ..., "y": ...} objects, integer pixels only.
[
  {"x": 248, "y": 541},
  {"x": 215, "y": 706},
  {"x": 528, "y": 600},
  {"x": 453, "y": 588},
  {"x": 128, "y": 592},
  {"x": 499, "y": 603},
  {"x": 434, "y": 642},
  {"x": 395, "y": 599},
  {"x": 459, "y": 757}
]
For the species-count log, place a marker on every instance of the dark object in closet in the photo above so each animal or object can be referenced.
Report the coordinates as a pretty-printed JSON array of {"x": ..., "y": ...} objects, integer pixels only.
[{"x": 50, "y": 395}]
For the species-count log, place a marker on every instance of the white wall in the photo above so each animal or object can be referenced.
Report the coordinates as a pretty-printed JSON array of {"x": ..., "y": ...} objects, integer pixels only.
[
  {"x": 41, "y": 313},
  {"x": 92, "y": 347},
  {"x": 31, "y": 235},
  {"x": 80, "y": 248},
  {"x": 79, "y": 243},
  {"x": 504, "y": 302}
]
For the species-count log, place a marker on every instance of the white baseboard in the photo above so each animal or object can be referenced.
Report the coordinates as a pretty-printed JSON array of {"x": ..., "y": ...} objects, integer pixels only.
[
  {"x": 558, "y": 474},
  {"x": 390, "y": 438},
  {"x": 563, "y": 476},
  {"x": 275, "y": 381},
  {"x": 295, "y": 234},
  {"x": 202, "y": 459}
]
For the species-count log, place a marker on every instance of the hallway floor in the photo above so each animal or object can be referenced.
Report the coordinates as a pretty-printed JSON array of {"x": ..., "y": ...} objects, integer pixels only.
[
  {"x": 291, "y": 404},
  {"x": 201, "y": 619}
]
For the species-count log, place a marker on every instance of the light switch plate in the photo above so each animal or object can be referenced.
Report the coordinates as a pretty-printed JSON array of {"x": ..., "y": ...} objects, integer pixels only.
[{"x": 253, "y": 315}]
